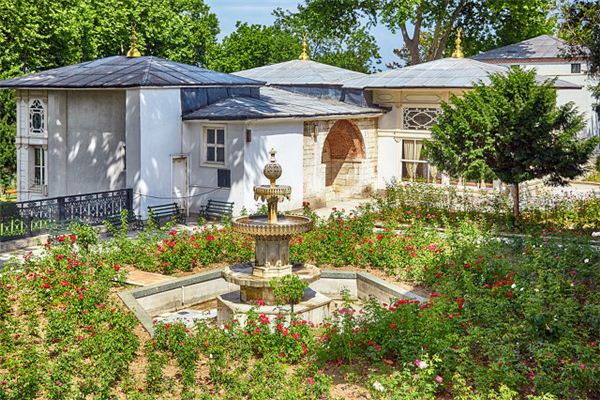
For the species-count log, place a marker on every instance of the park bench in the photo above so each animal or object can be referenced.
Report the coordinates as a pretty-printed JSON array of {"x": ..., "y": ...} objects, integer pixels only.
[
  {"x": 134, "y": 222},
  {"x": 216, "y": 209},
  {"x": 170, "y": 211}
]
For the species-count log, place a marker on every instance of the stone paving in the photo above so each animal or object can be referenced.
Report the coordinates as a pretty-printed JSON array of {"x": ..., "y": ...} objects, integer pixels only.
[{"x": 142, "y": 278}]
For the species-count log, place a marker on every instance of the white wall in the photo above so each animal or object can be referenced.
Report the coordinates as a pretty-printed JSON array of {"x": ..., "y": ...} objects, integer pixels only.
[
  {"x": 389, "y": 165},
  {"x": 246, "y": 161},
  {"x": 84, "y": 138},
  {"x": 160, "y": 137},
  {"x": 95, "y": 126},
  {"x": 203, "y": 178},
  {"x": 286, "y": 137},
  {"x": 133, "y": 149}
]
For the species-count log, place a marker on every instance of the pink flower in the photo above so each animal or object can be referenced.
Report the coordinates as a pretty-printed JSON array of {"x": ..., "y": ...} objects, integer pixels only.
[
  {"x": 310, "y": 380},
  {"x": 439, "y": 379}
]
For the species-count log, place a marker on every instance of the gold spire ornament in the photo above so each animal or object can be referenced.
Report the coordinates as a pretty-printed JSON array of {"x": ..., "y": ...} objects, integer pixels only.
[
  {"x": 304, "y": 55},
  {"x": 133, "y": 51},
  {"x": 457, "y": 50}
]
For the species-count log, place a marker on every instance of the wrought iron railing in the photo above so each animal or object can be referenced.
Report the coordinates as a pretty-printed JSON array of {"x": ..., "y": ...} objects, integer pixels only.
[{"x": 31, "y": 217}]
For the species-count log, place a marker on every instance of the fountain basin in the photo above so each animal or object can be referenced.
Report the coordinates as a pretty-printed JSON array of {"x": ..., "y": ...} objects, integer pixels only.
[
  {"x": 265, "y": 192},
  {"x": 258, "y": 225},
  {"x": 313, "y": 307},
  {"x": 254, "y": 286}
]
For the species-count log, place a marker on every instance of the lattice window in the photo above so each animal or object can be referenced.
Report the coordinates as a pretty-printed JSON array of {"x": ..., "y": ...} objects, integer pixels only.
[
  {"x": 37, "y": 121},
  {"x": 419, "y": 118}
]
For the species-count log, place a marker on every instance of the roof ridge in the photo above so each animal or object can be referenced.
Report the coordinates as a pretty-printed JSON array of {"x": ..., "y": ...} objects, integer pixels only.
[{"x": 148, "y": 67}]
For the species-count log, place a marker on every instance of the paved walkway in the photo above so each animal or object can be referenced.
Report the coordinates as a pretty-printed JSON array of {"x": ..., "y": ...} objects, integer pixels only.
[
  {"x": 18, "y": 254},
  {"x": 142, "y": 278},
  {"x": 346, "y": 205}
]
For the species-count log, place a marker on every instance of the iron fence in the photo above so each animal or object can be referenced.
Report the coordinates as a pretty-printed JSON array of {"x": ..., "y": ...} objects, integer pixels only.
[{"x": 28, "y": 218}]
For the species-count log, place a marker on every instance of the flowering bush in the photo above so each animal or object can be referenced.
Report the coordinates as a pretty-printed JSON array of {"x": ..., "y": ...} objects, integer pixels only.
[
  {"x": 62, "y": 335},
  {"x": 442, "y": 206},
  {"x": 244, "y": 361},
  {"x": 521, "y": 316},
  {"x": 505, "y": 319}
]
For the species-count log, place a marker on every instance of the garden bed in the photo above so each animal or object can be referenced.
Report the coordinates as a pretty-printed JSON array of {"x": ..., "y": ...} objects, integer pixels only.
[{"x": 504, "y": 320}]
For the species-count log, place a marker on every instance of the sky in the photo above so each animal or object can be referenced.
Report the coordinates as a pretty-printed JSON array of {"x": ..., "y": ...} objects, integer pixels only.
[{"x": 259, "y": 12}]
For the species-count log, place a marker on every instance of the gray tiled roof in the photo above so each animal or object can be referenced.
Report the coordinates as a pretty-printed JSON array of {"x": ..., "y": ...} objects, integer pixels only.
[
  {"x": 122, "y": 72},
  {"x": 276, "y": 103},
  {"x": 300, "y": 72},
  {"x": 543, "y": 46},
  {"x": 444, "y": 73}
]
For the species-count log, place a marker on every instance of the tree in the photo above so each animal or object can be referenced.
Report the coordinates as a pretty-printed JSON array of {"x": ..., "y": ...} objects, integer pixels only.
[
  {"x": 514, "y": 128},
  {"x": 428, "y": 27},
  {"x": 251, "y": 46},
  {"x": 288, "y": 289},
  {"x": 352, "y": 47}
]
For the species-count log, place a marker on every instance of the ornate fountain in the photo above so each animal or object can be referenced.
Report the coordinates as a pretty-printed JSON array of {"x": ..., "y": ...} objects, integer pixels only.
[{"x": 272, "y": 233}]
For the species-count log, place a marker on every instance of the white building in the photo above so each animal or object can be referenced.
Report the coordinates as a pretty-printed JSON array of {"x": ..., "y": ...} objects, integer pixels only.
[{"x": 176, "y": 132}]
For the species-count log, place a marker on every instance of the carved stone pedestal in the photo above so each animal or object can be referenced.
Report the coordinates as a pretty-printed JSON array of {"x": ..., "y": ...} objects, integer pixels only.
[{"x": 254, "y": 287}]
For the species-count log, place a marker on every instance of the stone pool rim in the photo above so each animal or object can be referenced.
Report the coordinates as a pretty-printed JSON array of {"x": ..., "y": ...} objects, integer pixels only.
[{"x": 130, "y": 297}]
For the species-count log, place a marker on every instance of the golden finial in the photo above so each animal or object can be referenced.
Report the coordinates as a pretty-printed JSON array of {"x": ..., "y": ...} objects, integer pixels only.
[
  {"x": 133, "y": 51},
  {"x": 457, "y": 50},
  {"x": 304, "y": 55}
]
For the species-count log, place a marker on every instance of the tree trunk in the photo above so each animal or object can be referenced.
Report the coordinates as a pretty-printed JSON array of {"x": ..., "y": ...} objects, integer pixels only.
[{"x": 516, "y": 200}]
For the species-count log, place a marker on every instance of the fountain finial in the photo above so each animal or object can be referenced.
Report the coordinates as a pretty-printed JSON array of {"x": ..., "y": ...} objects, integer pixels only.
[{"x": 272, "y": 170}]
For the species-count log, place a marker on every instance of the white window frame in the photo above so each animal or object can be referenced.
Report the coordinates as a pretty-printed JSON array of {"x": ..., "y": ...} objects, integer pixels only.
[
  {"x": 406, "y": 160},
  {"x": 204, "y": 150},
  {"x": 43, "y": 167},
  {"x": 37, "y": 106}
]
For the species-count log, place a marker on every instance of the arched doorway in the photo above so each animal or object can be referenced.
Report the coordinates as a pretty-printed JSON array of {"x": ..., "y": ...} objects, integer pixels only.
[{"x": 343, "y": 150}]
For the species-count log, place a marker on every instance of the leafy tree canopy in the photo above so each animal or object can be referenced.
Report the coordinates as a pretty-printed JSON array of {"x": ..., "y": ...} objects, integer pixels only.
[
  {"x": 349, "y": 46},
  {"x": 251, "y": 46},
  {"x": 428, "y": 27},
  {"x": 514, "y": 128}
]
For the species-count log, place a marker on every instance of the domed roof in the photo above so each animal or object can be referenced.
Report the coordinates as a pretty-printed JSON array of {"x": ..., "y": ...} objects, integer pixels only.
[
  {"x": 542, "y": 47},
  {"x": 444, "y": 73},
  {"x": 300, "y": 72},
  {"x": 123, "y": 72}
]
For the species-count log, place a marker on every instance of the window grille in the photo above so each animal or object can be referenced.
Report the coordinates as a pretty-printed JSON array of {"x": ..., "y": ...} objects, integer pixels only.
[
  {"x": 37, "y": 123},
  {"x": 419, "y": 118}
]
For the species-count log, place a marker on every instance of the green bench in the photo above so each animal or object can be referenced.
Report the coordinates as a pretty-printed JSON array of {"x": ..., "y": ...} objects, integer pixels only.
[
  {"x": 171, "y": 212},
  {"x": 216, "y": 209}
]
